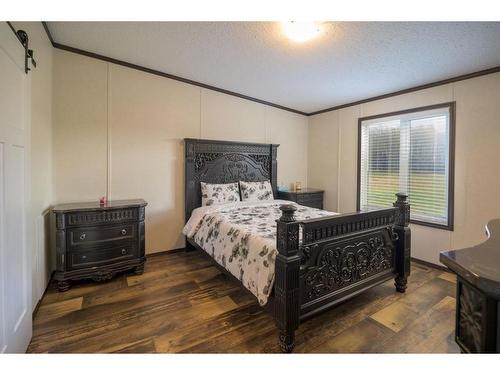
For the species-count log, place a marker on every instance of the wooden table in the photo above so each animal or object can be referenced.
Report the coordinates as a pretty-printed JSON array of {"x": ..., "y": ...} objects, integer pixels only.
[{"x": 477, "y": 328}]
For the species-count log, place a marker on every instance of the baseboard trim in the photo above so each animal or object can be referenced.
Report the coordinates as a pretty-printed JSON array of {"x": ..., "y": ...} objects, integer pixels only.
[
  {"x": 165, "y": 252},
  {"x": 429, "y": 264},
  {"x": 35, "y": 310}
]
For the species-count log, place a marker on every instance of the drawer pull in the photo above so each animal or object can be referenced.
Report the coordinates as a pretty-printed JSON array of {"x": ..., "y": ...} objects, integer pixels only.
[
  {"x": 124, "y": 251},
  {"x": 83, "y": 235},
  {"x": 124, "y": 232},
  {"x": 84, "y": 257}
]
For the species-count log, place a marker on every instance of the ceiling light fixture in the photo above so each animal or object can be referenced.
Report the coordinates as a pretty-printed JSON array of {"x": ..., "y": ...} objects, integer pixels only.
[{"x": 301, "y": 31}]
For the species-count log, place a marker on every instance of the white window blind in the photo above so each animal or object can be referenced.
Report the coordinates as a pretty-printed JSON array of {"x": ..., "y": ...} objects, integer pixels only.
[{"x": 407, "y": 153}]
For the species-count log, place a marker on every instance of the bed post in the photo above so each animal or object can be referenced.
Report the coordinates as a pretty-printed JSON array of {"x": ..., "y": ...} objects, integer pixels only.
[
  {"x": 190, "y": 185},
  {"x": 403, "y": 243},
  {"x": 286, "y": 289}
]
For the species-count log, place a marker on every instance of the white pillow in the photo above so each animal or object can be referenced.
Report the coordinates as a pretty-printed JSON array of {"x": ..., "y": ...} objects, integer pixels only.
[
  {"x": 212, "y": 194},
  {"x": 256, "y": 191}
]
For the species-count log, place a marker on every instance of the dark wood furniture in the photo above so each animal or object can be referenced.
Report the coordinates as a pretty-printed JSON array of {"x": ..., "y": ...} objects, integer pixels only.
[
  {"x": 306, "y": 197},
  {"x": 320, "y": 262},
  {"x": 97, "y": 241},
  {"x": 477, "y": 326}
]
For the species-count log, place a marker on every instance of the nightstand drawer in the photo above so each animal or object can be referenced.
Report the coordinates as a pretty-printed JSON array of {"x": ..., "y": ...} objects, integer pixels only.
[
  {"x": 310, "y": 198},
  {"x": 103, "y": 235},
  {"x": 307, "y": 197},
  {"x": 95, "y": 258},
  {"x": 315, "y": 203}
]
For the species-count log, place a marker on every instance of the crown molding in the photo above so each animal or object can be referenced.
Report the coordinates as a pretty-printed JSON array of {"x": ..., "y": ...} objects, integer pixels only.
[
  {"x": 462, "y": 77},
  {"x": 49, "y": 35},
  {"x": 163, "y": 74}
]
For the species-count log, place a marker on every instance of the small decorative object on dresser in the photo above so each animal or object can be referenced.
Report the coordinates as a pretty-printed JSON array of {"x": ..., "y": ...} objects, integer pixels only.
[
  {"x": 306, "y": 197},
  {"x": 94, "y": 240}
]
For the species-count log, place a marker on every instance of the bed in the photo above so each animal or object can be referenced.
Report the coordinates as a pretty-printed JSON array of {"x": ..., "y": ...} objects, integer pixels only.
[{"x": 297, "y": 261}]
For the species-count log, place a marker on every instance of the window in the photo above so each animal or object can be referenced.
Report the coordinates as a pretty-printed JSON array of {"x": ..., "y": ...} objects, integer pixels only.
[{"x": 409, "y": 151}]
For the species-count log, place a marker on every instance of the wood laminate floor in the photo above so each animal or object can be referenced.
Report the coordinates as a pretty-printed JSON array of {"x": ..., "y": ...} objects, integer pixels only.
[{"x": 182, "y": 303}]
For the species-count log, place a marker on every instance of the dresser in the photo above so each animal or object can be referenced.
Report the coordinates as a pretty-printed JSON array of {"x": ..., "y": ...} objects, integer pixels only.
[
  {"x": 477, "y": 321},
  {"x": 96, "y": 241},
  {"x": 305, "y": 197}
]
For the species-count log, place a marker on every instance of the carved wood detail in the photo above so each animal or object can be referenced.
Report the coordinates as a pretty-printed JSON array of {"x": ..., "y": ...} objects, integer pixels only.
[
  {"x": 287, "y": 279},
  {"x": 219, "y": 162},
  {"x": 98, "y": 217},
  {"x": 402, "y": 217},
  {"x": 233, "y": 167},
  {"x": 201, "y": 159},
  {"x": 345, "y": 263},
  {"x": 321, "y": 229},
  {"x": 470, "y": 318},
  {"x": 207, "y": 146},
  {"x": 103, "y": 275},
  {"x": 402, "y": 235}
]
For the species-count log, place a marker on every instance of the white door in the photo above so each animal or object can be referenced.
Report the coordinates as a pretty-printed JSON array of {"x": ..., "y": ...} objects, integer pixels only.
[{"x": 15, "y": 260}]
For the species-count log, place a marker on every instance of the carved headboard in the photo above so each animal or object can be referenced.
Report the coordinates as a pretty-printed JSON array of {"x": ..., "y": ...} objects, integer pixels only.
[{"x": 224, "y": 162}]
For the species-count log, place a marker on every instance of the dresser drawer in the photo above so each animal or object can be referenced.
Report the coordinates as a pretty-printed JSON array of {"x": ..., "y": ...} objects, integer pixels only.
[
  {"x": 96, "y": 258},
  {"x": 103, "y": 235},
  {"x": 105, "y": 217}
]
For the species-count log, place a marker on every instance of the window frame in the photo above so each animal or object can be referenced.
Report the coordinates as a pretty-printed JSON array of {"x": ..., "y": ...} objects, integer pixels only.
[{"x": 451, "y": 106}]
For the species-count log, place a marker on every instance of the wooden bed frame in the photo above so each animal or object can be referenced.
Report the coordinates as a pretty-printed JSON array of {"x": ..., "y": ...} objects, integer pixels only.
[{"x": 320, "y": 262}]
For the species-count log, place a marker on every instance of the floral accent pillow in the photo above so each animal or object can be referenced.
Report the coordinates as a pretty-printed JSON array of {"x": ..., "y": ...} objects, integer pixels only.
[
  {"x": 256, "y": 191},
  {"x": 212, "y": 194}
]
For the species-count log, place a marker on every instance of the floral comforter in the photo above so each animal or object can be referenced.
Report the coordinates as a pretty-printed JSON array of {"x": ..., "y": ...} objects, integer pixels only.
[{"x": 242, "y": 238}]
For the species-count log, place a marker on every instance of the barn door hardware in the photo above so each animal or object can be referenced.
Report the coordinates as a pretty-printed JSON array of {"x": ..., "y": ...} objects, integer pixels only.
[{"x": 28, "y": 53}]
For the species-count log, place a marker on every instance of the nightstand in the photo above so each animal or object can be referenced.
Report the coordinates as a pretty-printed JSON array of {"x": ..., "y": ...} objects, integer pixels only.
[
  {"x": 97, "y": 241},
  {"x": 305, "y": 197}
]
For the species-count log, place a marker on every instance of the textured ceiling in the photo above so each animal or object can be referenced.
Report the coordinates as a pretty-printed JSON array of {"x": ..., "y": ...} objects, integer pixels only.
[{"x": 350, "y": 61}]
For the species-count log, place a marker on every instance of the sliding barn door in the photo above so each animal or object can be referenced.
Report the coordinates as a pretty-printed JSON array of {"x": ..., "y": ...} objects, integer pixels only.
[{"x": 15, "y": 260}]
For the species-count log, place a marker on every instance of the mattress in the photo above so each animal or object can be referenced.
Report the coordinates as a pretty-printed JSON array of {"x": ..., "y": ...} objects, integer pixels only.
[{"x": 241, "y": 237}]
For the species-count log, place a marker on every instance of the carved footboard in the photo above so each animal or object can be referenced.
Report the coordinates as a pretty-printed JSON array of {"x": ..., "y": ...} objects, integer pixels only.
[{"x": 322, "y": 262}]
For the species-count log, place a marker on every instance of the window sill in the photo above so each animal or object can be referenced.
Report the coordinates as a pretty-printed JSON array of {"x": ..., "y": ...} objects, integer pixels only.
[{"x": 448, "y": 227}]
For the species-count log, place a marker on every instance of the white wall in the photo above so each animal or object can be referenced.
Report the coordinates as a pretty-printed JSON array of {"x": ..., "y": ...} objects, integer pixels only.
[
  {"x": 119, "y": 131},
  {"x": 477, "y": 150},
  {"x": 41, "y": 153},
  {"x": 99, "y": 128},
  {"x": 324, "y": 156}
]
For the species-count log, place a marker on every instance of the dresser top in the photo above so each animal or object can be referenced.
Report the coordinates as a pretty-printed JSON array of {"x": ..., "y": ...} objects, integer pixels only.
[
  {"x": 96, "y": 206},
  {"x": 302, "y": 191},
  {"x": 480, "y": 264}
]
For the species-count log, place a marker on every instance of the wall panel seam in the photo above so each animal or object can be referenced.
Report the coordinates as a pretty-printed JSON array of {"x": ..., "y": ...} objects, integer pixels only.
[
  {"x": 200, "y": 132},
  {"x": 339, "y": 156},
  {"x": 307, "y": 155},
  {"x": 108, "y": 133},
  {"x": 199, "y": 113},
  {"x": 451, "y": 234}
]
